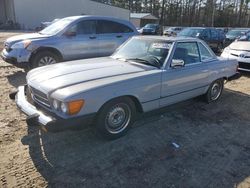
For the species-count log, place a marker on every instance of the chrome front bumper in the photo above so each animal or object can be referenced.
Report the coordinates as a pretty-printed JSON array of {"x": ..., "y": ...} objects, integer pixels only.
[
  {"x": 47, "y": 123},
  {"x": 29, "y": 109}
]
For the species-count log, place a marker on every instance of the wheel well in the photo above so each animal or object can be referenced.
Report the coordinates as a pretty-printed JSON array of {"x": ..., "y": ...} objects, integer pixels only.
[
  {"x": 225, "y": 78},
  {"x": 42, "y": 49},
  {"x": 137, "y": 103}
]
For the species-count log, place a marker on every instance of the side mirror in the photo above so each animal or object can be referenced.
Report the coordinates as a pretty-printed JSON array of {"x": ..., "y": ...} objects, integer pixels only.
[
  {"x": 70, "y": 33},
  {"x": 177, "y": 63}
]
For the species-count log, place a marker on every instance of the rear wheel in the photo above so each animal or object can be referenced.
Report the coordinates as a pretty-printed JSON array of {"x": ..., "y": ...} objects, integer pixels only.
[
  {"x": 116, "y": 117},
  {"x": 215, "y": 90},
  {"x": 44, "y": 58}
]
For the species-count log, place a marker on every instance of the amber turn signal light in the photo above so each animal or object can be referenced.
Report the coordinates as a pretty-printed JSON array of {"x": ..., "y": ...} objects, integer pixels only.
[{"x": 75, "y": 106}]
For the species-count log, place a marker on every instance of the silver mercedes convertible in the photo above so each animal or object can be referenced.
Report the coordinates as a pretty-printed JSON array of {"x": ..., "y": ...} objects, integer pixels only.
[{"x": 144, "y": 74}]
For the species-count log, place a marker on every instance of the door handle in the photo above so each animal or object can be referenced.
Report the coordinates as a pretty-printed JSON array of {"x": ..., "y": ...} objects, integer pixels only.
[
  {"x": 119, "y": 36},
  {"x": 92, "y": 37}
]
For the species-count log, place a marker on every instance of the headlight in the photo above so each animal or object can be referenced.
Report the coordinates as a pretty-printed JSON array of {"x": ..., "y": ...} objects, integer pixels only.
[
  {"x": 56, "y": 104},
  {"x": 23, "y": 44},
  {"x": 72, "y": 107},
  {"x": 64, "y": 107}
]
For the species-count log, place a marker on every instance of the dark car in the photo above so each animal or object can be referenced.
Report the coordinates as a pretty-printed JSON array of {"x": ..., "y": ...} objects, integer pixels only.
[
  {"x": 151, "y": 29},
  {"x": 213, "y": 37},
  {"x": 236, "y": 33}
]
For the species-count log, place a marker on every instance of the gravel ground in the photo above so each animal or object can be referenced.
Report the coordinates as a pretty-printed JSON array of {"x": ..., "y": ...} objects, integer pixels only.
[{"x": 213, "y": 138}]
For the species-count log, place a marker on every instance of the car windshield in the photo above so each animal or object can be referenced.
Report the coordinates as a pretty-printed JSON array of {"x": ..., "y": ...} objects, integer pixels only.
[
  {"x": 236, "y": 33},
  {"x": 190, "y": 32},
  {"x": 151, "y": 26},
  {"x": 146, "y": 51},
  {"x": 56, "y": 27}
]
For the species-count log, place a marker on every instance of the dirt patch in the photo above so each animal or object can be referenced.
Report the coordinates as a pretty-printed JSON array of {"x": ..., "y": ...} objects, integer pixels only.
[{"x": 213, "y": 138}]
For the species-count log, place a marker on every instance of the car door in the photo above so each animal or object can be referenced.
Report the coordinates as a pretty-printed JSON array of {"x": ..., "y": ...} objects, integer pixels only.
[
  {"x": 80, "y": 40},
  {"x": 111, "y": 35},
  {"x": 184, "y": 82}
]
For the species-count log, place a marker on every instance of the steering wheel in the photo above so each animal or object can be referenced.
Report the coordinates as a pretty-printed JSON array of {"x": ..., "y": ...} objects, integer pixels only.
[{"x": 155, "y": 60}]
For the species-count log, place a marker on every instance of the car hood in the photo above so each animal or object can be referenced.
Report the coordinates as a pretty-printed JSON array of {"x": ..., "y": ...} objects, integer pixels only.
[
  {"x": 50, "y": 78},
  {"x": 240, "y": 45},
  {"x": 10, "y": 41}
]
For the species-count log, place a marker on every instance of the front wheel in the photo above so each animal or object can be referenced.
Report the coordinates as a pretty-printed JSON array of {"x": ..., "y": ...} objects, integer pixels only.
[
  {"x": 116, "y": 117},
  {"x": 215, "y": 90},
  {"x": 44, "y": 58}
]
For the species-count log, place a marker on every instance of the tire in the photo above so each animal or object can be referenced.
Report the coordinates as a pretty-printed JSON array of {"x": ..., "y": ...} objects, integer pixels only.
[
  {"x": 115, "y": 118},
  {"x": 215, "y": 90},
  {"x": 219, "y": 48},
  {"x": 44, "y": 58}
]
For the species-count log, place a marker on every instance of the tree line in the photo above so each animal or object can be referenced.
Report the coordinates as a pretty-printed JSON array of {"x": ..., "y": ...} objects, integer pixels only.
[{"x": 217, "y": 13}]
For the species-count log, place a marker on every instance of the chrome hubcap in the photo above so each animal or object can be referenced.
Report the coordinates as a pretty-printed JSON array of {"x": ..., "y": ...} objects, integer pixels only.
[
  {"x": 118, "y": 118},
  {"x": 216, "y": 91},
  {"x": 46, "y": 60}
]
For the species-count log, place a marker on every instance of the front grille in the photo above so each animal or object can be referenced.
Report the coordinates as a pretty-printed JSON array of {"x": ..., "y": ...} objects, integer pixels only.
[
  {"x": 39, "y": 97},
  {"x": 7, "y": 47},
  {"x": 244, "y": 65}
]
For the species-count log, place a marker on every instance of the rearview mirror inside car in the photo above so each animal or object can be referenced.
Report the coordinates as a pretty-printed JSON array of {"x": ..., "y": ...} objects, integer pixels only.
[{"x": 177, "y": 63}]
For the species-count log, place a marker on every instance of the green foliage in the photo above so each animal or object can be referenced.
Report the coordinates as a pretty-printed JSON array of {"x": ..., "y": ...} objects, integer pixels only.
[{"x": 219, "y": 13}]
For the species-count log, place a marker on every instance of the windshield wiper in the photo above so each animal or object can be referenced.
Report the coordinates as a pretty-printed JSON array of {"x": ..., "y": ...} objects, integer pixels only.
[{"x": 143, "y": 61}]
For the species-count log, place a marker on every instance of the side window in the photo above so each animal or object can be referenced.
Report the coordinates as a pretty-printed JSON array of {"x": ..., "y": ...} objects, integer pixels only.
[
  {"x": 86, "y": 27},
  {"x": 123, "y": 28},
  {"x": 104, "y": 26},
  {"x": 206, "y": 34},
  {"x": 188, "y": 52},
  {"x": 214, "y": 34},
  {"x": 205, "y": 54}
]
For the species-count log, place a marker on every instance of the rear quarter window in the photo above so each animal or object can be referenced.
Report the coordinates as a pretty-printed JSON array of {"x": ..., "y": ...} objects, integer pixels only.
[
  {"x": 105, "y": 26},
  {"x": 204, "y": 53}
]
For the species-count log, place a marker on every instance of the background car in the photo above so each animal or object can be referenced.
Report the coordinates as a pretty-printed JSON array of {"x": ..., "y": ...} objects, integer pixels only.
[
  {"x": 239, "y": 50},
  {"x": 213, "y": 37},
  {"x": 245, "y": 37},
  {"x": 70, "y": 38},
  {"x": 234, "y": 34},
  {"x": 151, "y": 29},
  {"x": 172, "y": 31}
]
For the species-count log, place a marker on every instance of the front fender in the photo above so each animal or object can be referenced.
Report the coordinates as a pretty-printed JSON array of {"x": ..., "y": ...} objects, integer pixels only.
[{"x": 144, "y": 88}]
